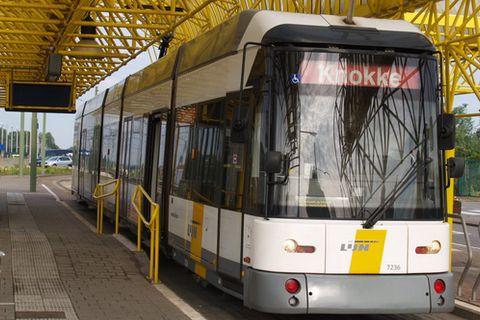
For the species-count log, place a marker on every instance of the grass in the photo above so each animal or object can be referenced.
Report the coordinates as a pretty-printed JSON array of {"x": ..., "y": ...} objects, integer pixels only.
[{"x": 15, "y": 171}]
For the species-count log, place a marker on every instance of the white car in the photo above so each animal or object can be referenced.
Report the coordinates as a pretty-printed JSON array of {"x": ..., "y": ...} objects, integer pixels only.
[{"x": 60, "y": 161}]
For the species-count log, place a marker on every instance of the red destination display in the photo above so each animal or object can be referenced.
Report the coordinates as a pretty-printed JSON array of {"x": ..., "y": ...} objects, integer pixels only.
[{"x": 338, "y": 73}]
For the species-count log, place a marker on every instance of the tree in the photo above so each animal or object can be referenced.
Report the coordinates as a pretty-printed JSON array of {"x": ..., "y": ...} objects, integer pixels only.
[
  {"x": 49, "y": 141},
  {"x": 467, "y": 142}
]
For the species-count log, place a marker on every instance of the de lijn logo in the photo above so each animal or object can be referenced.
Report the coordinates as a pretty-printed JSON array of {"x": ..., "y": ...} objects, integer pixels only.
[{"x": 357, "y": 245}]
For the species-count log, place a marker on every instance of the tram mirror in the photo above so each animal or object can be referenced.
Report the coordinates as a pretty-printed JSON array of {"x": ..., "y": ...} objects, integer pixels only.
[
  {"x": 446, "y": 131},
  {"x": 273, "y": 162},
  {"x": 455, "y": 167}
]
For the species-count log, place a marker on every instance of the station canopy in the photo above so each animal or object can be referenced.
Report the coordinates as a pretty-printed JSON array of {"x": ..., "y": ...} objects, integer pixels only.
[{"x": 96, "y": 38}]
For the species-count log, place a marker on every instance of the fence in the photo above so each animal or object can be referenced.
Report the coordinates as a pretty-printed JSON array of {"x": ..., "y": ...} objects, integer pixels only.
[{"x": 469, "y": 184}]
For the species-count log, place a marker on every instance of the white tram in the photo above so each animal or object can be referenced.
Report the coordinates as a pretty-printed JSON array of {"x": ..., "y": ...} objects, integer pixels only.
[{"x": 314, "y": 185}]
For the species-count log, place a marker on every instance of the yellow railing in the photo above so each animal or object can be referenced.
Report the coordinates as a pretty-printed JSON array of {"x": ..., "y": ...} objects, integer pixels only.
[
  {"x": 100, "y": 195},
  {"x": 153, "y": 225}
]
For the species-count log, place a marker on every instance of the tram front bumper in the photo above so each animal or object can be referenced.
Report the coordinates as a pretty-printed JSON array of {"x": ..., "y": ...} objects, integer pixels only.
[{"x": 347, "y": 294}]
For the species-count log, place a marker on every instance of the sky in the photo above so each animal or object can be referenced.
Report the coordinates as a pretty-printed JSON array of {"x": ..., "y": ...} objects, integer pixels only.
[{"x": 61, "y": 125}]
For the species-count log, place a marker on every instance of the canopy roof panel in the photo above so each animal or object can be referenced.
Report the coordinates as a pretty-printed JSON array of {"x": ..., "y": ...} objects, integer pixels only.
[{"x": 97, "y": 37}]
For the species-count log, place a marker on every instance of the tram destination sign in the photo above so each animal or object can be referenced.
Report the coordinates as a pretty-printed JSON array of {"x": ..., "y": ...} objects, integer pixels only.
[
  {"x": 41, "y": 97},
  {"x": 336, "y": 73}
]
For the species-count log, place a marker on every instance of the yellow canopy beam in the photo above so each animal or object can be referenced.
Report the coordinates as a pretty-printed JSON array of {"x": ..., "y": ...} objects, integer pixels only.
[{"x": 125, "y": 29}]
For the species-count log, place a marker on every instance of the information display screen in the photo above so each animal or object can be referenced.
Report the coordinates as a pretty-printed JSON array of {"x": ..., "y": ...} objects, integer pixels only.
[{"x": 41, "y": 97}]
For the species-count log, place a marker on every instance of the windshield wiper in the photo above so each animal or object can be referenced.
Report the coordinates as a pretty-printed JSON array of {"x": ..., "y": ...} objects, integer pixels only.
[{"x": 396, "y": 192}]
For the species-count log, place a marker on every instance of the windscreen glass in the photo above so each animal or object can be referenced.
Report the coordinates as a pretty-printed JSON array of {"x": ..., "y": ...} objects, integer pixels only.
[{"x": 358, "y": 131}]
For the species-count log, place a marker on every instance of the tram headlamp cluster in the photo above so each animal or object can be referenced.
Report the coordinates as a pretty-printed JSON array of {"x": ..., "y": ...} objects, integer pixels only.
[
  {"x": 433, "y": 248},
  {"x": 291, "y": 246}
]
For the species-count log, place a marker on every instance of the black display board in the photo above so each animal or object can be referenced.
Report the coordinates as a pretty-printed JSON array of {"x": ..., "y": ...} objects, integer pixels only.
[{"x": 41, "y": 97}]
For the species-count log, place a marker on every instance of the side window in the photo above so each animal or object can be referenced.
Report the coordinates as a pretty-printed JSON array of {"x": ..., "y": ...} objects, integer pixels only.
[
  {"x": 208, "y": 167},
  {"x": 206, "y": 157},
  {"x": 256, "y": 178},
  {"x": 234, "y": 157},
  {"x": 135, "y": 168},
  {"x": 184, "y": 124}
]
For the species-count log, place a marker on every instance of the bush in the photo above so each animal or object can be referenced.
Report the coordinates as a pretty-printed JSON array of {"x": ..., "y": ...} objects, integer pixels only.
[{"x": 15, "y": 171}]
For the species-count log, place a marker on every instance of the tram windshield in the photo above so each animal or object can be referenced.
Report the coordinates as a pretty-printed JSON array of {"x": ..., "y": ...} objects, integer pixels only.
[{"x": 357, "y": 130}]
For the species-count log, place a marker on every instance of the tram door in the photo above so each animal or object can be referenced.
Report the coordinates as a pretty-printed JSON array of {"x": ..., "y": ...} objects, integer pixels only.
[
  {"x": 124, "y": 164},
  {"x": 158, "y": 138},
  {"x": 230, "y": 226},
  {"x": 82, "y": 163}
]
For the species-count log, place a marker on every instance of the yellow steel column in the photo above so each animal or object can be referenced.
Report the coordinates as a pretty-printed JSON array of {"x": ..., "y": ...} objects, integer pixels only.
[
  {"x": 102, "y": 189},
  {"x": 448, "y": 108},
  {"x": 157, "y": 241},
  {"x": 152, "y": 244},
  {"x": 117, "y": 206},
  {"x": 98, "y": 210},
  {"x": 139, "y": 222}
]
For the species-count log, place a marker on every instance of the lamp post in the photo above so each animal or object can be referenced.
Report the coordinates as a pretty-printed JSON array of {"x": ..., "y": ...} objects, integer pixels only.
[
  {"x": 44, "y": 134},
  {"x": 7, "y": 141},
  {"x": 33, "y": 154},
  {"x": 22, "y": 142},
  {"x": 11, "y": 141}
]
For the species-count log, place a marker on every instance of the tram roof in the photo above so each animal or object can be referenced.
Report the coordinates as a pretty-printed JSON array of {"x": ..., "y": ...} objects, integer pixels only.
[{"x": 269, "y": 27}]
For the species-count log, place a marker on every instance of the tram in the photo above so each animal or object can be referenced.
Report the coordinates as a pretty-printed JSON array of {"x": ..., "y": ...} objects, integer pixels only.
[{"x": 298, "y": 161}]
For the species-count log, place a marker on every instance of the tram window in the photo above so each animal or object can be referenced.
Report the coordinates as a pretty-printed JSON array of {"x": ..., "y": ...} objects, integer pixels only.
[
  {"x": 352, "y": 146},
  {"x": 137, "y": 148},
  {"x": 109, "y": 150},
  {"x": 255, "y": 177},
  {"x": 184, "y": 124},
  {"x": 206, "y": 154},
  {"x": 233, "y": 164}
]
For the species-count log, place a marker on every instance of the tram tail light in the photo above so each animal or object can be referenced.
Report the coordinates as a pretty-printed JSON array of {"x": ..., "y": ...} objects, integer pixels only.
[
  {"x": 292, "y": 286},
  {"x": 433, "y": 248},
  {"x": 439, "y": 286}
]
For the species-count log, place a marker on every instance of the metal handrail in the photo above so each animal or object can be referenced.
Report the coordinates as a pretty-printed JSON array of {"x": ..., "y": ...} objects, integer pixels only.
[
  {"x": 99, "y": 195},
  {"x": 477, "y": 281},
  {"x": 153, "y": 225},
  {"x": 469, "y": 252}
]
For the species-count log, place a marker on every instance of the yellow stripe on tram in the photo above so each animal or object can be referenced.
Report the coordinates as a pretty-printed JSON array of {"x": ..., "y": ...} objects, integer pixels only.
[
  {"x": 368, "y": 251},
  {"x": 196, "y": 239}
]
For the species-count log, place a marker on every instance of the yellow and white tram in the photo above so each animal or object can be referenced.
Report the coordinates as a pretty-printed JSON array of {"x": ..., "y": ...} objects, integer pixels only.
[{"x": 298, "y": 161}]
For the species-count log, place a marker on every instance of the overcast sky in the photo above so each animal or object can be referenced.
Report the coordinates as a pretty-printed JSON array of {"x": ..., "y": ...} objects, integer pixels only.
[{"x": 61, "y": 125}]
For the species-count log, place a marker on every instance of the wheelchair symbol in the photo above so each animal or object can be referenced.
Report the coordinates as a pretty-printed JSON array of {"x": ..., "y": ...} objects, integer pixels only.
[{"x": 295, "y": 78}]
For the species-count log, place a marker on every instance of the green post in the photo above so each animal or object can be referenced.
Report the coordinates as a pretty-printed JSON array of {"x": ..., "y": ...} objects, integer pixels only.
[
  {"x": 22, "y": 143},
  {"x": 44, "y": 134},
  {"x": 33, "y": 154}
]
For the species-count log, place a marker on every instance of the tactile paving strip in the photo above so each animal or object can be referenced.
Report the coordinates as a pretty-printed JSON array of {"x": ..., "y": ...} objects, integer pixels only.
[{"x": 39, "y": 291}]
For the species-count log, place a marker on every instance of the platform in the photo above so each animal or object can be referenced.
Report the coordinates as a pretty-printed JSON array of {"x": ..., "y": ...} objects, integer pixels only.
[{"x": 57, "y": 267}]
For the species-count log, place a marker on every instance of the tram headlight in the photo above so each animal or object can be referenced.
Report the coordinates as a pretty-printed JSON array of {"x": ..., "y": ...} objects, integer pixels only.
[
  {"x": 435, "y": 247},
  {"x": 290, "y": 246}
]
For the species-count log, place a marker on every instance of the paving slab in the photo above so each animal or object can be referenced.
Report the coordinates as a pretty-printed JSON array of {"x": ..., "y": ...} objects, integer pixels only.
[{"x": 56, "y": 268}]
